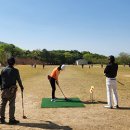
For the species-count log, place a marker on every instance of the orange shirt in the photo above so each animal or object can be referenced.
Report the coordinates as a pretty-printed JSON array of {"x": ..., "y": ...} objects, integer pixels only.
[{"x": 55, "y": 73}]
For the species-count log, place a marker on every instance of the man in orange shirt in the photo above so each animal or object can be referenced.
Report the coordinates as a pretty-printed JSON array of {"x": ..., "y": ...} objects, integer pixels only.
[{"x": 53, "y": 78}]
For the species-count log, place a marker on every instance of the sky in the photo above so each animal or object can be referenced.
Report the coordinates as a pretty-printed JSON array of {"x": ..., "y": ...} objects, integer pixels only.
[{"x": 98, "y": 26}]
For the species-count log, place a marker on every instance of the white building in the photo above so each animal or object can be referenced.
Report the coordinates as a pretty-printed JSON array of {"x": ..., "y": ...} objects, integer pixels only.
[{"x": 81, "y": 62}]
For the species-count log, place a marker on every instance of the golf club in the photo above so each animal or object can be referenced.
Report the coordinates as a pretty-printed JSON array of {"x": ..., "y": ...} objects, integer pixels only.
[
  {"x": 63, "y": 94},
  {"x": 24, "y": 117},
  {"x": 120, "y": 83}
]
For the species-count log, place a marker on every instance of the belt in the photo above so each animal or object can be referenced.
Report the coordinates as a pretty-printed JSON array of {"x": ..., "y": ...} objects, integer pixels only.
[{"x": 112, "y": 78}]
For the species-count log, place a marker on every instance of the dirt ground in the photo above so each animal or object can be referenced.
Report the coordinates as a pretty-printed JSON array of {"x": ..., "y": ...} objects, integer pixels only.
[{"x": 75, "y": 82}]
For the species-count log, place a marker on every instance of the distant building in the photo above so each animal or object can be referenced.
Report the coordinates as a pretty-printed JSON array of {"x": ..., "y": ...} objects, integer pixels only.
[
  {"x": 27, "y": 61},
  {"x": 81, "y": 62}
]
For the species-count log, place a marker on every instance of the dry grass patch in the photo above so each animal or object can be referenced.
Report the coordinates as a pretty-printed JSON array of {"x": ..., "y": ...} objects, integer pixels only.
[{"x": 75, "y": 82}]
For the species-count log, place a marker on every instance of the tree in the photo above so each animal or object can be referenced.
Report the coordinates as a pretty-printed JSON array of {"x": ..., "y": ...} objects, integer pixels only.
[
  {"x": 69, "y": 57},
  {"x": 4, "y": 56},
  {"x": 88, "y": 57},
  {"x": 123, "y": 58},
  {"x": 45, "y": 56}
]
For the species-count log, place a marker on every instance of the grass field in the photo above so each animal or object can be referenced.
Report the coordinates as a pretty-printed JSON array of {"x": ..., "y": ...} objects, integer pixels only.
[{"x": 75, "y": 82}]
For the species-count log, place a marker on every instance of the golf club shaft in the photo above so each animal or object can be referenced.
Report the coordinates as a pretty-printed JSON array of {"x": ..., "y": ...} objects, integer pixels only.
[
  {"x": 22, "y": 103},
  {"x": 120, "y": 83},
  {"x": 61, "y": 91}
]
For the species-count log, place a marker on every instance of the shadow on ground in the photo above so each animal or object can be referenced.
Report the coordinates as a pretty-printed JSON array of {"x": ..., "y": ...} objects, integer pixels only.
[
  {"x": 124, "y": 108},
  {"x": 103, "y": 102},
  {"x": 47, "y": 125},
  {"x": 94, "y": 102}
]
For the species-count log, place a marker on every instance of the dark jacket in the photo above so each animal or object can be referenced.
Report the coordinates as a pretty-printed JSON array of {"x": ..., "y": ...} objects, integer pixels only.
[
  {"x": 9, "y": 77},
  {"x": 111, "y": 70}
]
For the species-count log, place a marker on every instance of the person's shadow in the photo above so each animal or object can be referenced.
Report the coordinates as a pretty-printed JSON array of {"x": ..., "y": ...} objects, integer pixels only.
[
  {"x": 124, "y": 108},
  {"x": 104, "y": 102},
  {"x": 94, "y": 102},
  {"x": 47, "y": 125}
]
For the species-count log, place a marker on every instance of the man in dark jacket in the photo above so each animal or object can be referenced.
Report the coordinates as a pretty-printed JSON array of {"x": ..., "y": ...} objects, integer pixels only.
[
  {"x": 111, "y": 73},
  {"x": 9, "y": 77}
]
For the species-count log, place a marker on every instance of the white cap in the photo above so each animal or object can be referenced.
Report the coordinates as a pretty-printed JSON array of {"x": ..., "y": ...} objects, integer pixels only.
[{"x": 63, "y": 67}]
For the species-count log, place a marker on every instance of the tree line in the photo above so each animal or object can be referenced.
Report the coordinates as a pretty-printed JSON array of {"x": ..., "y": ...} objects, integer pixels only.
[{"x": 56, "y": 56}]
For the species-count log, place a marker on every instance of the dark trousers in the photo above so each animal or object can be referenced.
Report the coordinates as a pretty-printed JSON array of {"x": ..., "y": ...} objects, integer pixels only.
[
  {"x": 8, "y": 95},
  {"x": 53, "y": 85}
]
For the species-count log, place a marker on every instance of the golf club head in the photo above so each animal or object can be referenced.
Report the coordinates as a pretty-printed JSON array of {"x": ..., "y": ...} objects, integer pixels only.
[
  {"x": 24, "y": 117},
  {"x": 67, "y": 99}
]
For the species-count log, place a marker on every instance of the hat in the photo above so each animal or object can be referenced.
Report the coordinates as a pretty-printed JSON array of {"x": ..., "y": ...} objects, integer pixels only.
[
  {"x": 62, "y": 67},
  {"x": 111, "y": 58}
]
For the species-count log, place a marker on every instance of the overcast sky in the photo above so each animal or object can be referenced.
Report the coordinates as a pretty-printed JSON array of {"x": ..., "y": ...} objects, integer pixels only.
[{"x": 98, "y": 26}]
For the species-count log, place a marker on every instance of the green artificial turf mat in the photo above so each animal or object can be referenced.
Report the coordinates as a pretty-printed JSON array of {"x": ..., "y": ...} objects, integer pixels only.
[{"x": 61, "y": 102}]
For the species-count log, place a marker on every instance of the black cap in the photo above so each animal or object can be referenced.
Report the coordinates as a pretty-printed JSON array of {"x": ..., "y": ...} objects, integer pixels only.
[
  {"x": 11, "y": 61},
  {"x": 111, "y": 58}
]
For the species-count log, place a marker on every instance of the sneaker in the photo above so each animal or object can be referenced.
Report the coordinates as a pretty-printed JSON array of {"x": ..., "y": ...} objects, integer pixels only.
[
  {"x": 53, "y": 100},
  {"x": 116, "y": 107},
  {"x": 13, "y": 122},
  {"x": 107, "y": 106},
  {"x": 2, "y": 121}
]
